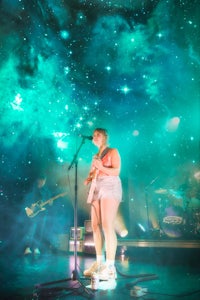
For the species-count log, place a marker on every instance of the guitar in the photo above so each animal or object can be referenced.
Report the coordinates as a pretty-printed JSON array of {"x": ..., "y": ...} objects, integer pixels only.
[
  {"x": 38, "y": 207},
  {"x": 94, "y": 179},
  {"x": 92, "y": 188}
]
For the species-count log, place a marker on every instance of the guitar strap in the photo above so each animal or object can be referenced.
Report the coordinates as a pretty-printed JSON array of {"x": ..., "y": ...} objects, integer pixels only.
[{"x": 105, "y": 151}]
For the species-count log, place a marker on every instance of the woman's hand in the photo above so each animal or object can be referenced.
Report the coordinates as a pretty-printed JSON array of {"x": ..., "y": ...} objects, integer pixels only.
[
  {"x": 51, "y": 202},
  {"x": 97, "y": 163},
  {"x": 87, "y": 181}
]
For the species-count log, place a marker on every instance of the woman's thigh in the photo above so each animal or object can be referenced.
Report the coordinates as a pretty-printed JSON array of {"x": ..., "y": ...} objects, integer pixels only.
[
  {"x": 95, "y": 213},
  {"x": 109, "y": 208}
]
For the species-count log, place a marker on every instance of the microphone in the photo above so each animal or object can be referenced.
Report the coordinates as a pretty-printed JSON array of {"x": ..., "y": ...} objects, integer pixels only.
[{"x": 86, "y": 137}]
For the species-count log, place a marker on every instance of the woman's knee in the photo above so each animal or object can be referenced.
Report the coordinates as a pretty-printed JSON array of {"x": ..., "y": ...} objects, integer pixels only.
[
  {"x": 95, "y": 226},
  {"x": 107, "y": 226}
]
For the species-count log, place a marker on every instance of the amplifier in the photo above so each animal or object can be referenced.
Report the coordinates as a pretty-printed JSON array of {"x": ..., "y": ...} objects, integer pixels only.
[
  {"x": 89, "y": 244},
  {"x": 88, "y": 227},
  {"x": 79, "y": 246},
  {"x": 79, "y": 235}
]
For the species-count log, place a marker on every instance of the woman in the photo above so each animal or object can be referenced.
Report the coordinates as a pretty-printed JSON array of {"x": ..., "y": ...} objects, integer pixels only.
[{"x": 106, "y": 195}]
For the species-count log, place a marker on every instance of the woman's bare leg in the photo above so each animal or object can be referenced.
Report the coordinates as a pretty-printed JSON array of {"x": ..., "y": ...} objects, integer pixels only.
[
  {"x": 97, "y": 228},
  {"x": 109, "y": 208}
]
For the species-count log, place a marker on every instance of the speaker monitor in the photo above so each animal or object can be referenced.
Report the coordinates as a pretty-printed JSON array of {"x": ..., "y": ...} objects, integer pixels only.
[
  {"x": 88, "y": 227},
  {"x": 79, "y": 246},
  {"x": 80, "y": 233}
]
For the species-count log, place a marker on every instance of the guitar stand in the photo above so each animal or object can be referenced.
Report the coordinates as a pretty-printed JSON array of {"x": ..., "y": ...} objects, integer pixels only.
[{"x": 71, "y": 285}]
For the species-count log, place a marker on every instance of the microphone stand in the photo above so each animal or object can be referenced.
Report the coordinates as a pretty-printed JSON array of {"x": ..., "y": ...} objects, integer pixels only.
[
  {"x": 75, "y": 162},
  {"x": 74, "y": 276}
]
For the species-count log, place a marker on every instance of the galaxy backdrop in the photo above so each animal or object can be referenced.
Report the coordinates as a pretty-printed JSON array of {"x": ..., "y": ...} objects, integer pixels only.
[{"x": 67, "y": 67}]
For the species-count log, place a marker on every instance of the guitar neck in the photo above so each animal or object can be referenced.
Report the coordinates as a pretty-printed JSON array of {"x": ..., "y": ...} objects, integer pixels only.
[{"x": 52, "y": 199}]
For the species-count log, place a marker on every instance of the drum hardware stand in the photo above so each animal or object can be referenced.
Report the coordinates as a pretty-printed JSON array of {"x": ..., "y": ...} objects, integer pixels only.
[
  {"x": 147, "y": 202},
  {"x": 74, "y": 279}
]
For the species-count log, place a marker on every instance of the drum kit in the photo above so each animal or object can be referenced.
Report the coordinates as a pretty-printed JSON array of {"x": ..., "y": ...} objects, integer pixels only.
[{"x": 178, "y": 215}]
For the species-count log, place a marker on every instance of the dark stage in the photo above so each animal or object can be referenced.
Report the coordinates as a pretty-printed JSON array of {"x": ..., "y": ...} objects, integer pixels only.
[{"x": 147, "y": 269}]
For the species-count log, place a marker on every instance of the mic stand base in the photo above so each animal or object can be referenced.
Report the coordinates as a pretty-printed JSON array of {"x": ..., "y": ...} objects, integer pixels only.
[{"x": 62, "y": 287}]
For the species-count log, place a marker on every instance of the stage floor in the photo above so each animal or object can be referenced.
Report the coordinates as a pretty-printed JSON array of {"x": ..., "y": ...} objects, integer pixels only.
[
  {"x": 160, "y": 243},
  {"x": 160, "y": 271}
]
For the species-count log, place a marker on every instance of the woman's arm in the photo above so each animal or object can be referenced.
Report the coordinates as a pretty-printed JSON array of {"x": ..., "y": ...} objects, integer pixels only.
[
  {"x": 114, "y": 163},
  {"x": 91, "y": 174}
]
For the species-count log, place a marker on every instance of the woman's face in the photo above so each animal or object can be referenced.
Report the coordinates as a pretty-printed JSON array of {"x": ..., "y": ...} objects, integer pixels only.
[{"x": 99, "y": 139}]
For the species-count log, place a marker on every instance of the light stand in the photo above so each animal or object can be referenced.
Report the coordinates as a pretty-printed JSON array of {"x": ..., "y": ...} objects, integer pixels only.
[
  {"x": 42, "y": 289},
  {"x": 147, "y": 208}
]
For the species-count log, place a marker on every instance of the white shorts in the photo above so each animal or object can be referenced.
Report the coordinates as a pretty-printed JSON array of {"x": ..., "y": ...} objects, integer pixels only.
[{"x": 108, "y": 187}]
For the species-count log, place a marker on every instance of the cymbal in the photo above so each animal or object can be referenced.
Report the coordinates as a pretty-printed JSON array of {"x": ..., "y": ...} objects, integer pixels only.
[
  {"x": 175, "y": 193},
  {"x": 161, "y": 191}
]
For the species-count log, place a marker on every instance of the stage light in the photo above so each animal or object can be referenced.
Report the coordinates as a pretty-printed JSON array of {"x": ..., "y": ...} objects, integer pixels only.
[
  {"x": 135, "y": 133},
  {"x": 61, "y": 144},
  {"x": 120, "y": 226},
  {"x": 197, "y": 175},
  {"x": 125, "y": 90},
  {"x": 16, "y": 104},
  {"x": 172, "y": 124}
]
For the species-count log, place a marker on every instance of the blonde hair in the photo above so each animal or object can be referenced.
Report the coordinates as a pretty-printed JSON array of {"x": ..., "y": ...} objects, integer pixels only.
[{"x": 103, "y": 131}]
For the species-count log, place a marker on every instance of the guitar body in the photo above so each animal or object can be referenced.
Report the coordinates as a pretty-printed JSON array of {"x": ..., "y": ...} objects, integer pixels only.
[
  {"x": 33, "y": 212},
  {"x": 38, "y": 207},
  {"x": 91, "y": 191},
  {"x": 94, "y": 174}
]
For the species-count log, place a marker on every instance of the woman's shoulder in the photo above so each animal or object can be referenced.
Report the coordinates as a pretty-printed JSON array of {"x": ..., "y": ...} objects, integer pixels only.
[
  {"x": 113, "y": 151},
  {"x": 110, "y": 152}
]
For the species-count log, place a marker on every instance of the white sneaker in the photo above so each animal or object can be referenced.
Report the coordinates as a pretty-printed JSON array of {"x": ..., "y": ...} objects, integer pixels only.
[
  {"x": 107, "y": 273},
  {"x": 27, "y": 251},
  {"x": 36, "y": 251},
  {"x": 94, "y": 268},
  {"x": 124, "y": 233}
]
